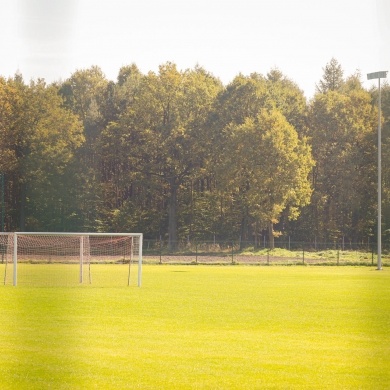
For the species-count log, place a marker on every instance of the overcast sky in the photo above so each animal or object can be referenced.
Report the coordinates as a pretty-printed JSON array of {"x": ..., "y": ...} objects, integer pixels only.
[{"x": 53, "y": 38}]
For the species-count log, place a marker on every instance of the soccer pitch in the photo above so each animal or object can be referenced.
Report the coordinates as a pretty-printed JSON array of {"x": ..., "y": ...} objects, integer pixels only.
[{"x": 202, "y": 327}]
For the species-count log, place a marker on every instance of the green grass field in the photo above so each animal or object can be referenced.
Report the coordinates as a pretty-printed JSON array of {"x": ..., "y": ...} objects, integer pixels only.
[{"x": 201, "y": 327}]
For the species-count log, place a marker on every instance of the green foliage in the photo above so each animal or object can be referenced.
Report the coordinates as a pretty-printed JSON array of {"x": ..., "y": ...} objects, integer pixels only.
[
  {"x": 43, "y": 137},
  {"x": 343, "y": 141},
  {"x": 264, "y": 164},
  {"x": 166, "y": 120},
  {"x": 385, "y": 104},
  {"x": 175, "y": 154},
  {"x": 8, "y": 99},
  {"x": 272, "y": 164}
]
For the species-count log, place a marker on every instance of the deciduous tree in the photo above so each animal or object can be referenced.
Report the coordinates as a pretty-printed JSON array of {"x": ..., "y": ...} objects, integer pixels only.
[
  {"x": 271, "y": 165},
  {"x": 342, "y": 128},
  {"x": 42, "y": 137}
]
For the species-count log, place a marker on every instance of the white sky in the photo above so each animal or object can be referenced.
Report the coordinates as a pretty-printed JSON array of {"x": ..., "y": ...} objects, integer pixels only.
[{"x": 53, "y": 38}]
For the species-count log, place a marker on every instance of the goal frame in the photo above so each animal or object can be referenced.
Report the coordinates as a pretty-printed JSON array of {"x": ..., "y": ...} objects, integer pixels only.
[{"x": 81, "y": 262}]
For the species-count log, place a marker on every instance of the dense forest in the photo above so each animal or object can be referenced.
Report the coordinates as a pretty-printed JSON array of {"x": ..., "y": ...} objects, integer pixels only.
[{"x": 178, "y": 155}]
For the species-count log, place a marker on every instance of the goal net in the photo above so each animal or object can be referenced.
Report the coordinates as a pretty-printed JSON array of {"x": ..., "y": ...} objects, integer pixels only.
[{"x": 70, "y": 258}]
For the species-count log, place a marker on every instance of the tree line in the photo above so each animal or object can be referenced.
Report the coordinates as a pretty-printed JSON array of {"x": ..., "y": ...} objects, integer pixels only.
[{"x": 177, "y": 155}]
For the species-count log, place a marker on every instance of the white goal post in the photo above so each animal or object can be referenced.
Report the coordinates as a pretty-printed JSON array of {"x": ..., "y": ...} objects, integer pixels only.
[{"x": 82, "y": 249}]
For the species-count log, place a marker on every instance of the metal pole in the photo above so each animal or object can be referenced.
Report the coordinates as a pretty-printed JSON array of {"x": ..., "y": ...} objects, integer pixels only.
[
  {"x": 379, "y": 266},
  {"x": 81, "y": 258},
  {"x": 140, "y": 261},
  {"x": 130, "y": 259},
  {"x": 15, "y": 259},
  {"x": 371, "y": 76}
]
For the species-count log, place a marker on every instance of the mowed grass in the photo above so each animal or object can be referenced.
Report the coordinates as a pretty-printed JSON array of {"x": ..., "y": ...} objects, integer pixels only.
[{"x": 201, "y": 327}]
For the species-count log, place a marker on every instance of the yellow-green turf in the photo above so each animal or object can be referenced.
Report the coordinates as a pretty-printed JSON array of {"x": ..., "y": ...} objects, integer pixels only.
[{"x": 201, "y": 327}]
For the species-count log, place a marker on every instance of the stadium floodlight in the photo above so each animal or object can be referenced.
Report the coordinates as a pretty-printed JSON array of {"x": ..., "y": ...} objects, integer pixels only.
[{"x": 372, "y": 76}]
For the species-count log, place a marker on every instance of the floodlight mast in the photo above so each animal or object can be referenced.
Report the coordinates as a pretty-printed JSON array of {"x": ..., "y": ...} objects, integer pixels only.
[{"x": 372, "y": 76}]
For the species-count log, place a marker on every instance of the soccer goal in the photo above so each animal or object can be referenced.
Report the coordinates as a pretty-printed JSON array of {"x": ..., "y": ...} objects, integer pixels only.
[{"x": 81, "y": 252}]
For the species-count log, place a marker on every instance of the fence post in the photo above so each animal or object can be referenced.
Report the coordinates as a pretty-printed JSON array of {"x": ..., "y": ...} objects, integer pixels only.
[
  {"x": 303, "y": 254},
  {"x": 232, "y": 252},
  {"x": 196, "y": 252}
]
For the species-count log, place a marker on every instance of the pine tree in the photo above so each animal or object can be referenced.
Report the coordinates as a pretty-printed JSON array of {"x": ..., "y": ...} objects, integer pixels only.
[{"x": 332, "y": 79}]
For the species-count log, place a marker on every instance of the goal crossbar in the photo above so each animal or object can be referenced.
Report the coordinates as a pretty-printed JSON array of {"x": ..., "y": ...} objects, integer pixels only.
[{"x": 86, "y": 248}]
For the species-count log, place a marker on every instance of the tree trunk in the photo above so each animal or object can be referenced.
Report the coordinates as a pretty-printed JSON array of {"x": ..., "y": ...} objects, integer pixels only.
[
  {"x": 172, "y": 216},
  {"x": 271, "y": 235},
  {"x": 244, "y": 229},
  {"x": 22, "y": 212}
]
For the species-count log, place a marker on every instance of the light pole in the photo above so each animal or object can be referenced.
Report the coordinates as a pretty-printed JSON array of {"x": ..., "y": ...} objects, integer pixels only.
[{"x": 371, "y": 76}]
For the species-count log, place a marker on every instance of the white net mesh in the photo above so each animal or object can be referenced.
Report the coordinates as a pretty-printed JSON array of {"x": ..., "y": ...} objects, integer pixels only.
[
  {"x": 63, "y": 259},
  {"x": 6, "y": 249}
]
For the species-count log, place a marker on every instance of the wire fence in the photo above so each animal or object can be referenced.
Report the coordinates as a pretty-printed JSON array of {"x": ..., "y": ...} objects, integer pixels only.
[{"x": 284, "y": 253}]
